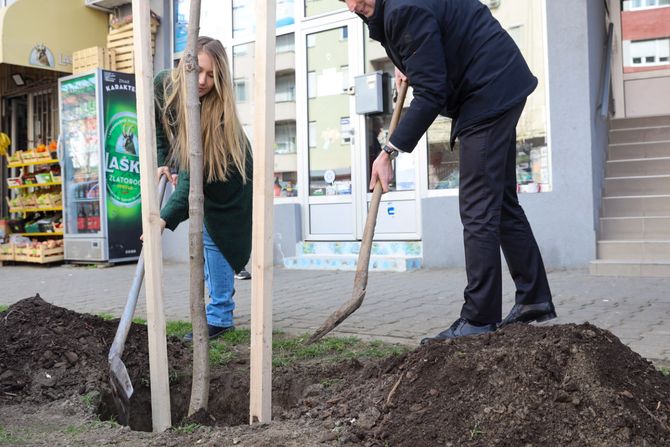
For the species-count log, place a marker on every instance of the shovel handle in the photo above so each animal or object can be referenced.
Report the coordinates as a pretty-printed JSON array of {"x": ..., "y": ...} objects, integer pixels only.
[
  {"x": 134, "y": 293},
  {"x": 362, "y": 266},
  {"x": 371, "y": 221}
]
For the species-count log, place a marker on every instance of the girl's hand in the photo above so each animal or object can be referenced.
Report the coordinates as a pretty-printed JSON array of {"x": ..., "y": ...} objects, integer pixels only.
[
  {"x": 162, "y": 224},
  {"x": 164, "y": 170}
]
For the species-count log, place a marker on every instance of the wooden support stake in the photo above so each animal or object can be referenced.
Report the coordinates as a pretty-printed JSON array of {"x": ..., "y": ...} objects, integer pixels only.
[
  {"x": 260, "y": 405},
  {"x": 153, "y": 253}
]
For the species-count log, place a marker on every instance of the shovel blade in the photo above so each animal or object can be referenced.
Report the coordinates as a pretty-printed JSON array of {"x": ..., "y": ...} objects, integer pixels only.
[{"x": 122, "y": 388}]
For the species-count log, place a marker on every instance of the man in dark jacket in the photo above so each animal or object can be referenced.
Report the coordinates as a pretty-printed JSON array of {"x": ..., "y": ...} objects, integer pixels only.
[{"x": 462, "y": 64}]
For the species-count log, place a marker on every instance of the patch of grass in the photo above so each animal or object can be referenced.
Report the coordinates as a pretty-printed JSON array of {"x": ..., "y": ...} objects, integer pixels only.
[
  {"x": 7, "y": 437},
  {"x": 75, "y": 429},
  {"x": 91, "y": 399},
  {"x": 237, "y": 337},
  {"x": 664, "y": 370},
  {"x": 476, "y": 432},
  {"x": 141, "y": 321},
  {"x": 186, "y": 429},
  {"x": 327, "y": 383},
  {"x": 106, "y": 316},
  {"x": 177, "y": 328},
  {"x": 288, "y": 350},
  {"x": 3, "y": 307},
  {"x": 220, "y": 353}
]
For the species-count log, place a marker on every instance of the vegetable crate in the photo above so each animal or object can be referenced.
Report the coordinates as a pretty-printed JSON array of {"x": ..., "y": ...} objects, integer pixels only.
[
  {"x": 39, "y": 255},
  {"x": 6, "y": 252},
  {"x": 121, "y": 41},
  {"x": 94, "y": 57}
]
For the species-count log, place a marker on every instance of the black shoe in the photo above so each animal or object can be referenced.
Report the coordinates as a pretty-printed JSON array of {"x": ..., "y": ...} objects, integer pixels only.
[
  {"x": 213, "y": 331},
  {"x": 243, "y": 274},
  {"x": 460, "y": 328},
  {"x": 527, "y": 313}
]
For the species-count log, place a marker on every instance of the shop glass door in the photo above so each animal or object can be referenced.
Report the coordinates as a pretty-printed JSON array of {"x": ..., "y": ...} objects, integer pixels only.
[
  {"x": 330, "y": 53},
  {"x": 80, "y": 140}
]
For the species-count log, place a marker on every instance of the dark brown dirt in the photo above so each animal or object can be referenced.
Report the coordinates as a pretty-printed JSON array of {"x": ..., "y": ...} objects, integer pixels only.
[{"x": 525, "y": 385}]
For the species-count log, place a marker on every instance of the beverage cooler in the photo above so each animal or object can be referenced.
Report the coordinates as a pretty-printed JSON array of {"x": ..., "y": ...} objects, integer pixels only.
[{"x": 101, "y": 176}]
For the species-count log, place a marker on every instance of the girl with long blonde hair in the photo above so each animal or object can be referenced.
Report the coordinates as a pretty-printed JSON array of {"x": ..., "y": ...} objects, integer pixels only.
[{"x": 227, "y": 173}]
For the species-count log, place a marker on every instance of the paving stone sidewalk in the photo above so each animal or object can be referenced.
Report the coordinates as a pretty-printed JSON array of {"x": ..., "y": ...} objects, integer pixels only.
[{"x": 399, "y": 307}]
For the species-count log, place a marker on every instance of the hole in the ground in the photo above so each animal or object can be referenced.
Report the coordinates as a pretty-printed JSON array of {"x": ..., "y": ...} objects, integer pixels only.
[{"x": 228, "y": 399}]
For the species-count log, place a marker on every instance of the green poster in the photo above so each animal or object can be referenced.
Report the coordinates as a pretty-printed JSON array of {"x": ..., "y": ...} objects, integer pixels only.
[{"x": 122, "y": 165}]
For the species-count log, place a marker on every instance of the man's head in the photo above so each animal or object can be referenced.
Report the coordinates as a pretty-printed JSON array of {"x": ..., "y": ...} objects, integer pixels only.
[{"x": 363, "y": 7}]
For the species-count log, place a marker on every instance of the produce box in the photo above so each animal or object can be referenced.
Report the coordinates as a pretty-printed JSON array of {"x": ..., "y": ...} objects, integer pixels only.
[
  {"x": 44, "y": 177},
  {"x": 14, "y": 181},
  {"x": 93, "y": 57},
  {"x": 6, "y": 252},
  {"x": 39, "y": 255},
  {"x": 120, "y": 39},
  {"x": 14, "y": 158}
]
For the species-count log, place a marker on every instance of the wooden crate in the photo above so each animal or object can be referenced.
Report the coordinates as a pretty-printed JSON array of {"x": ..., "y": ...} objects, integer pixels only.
[
  {"x": 121, "y": 41},
  {"x": 94, "y": 57},
  {"x": 6, "y": 252},
  {"x": 40, "y": 255}
]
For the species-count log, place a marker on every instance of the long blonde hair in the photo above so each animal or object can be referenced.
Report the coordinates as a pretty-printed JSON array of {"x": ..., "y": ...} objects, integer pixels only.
[{"x": 223, "y": 140}]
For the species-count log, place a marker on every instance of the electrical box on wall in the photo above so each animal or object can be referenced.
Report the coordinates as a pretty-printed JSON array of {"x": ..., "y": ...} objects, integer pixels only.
[{"x": 372, "y": 93}]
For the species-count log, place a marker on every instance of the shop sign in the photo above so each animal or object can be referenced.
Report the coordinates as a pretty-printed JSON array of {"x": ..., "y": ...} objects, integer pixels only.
[{"x": 41, "y": 56}]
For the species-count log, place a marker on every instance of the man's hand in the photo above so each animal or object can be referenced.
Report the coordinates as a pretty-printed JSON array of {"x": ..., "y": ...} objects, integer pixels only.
[
  {"x": 164, "y": 170},
  {"x": 399, "y": 78},
  {"x": 162, "y": 223},
  {"x": 382, "y": 171}
]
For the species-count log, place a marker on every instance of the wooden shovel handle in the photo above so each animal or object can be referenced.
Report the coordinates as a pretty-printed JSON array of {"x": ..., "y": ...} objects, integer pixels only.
[{"x": 362, "y": 266}]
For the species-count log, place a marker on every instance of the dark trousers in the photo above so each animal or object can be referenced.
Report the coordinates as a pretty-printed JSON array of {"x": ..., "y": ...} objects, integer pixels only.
[{"x": 493, "y": 219}]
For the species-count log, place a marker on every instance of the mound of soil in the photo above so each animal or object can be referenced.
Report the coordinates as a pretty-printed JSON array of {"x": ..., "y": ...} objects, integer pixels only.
[{"x": 524, "y": 385}]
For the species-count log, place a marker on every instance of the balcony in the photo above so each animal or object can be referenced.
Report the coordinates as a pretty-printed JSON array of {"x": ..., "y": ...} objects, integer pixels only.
[
  {"x": 285, "y": 62},
  {"x": 285, "y": 111}
]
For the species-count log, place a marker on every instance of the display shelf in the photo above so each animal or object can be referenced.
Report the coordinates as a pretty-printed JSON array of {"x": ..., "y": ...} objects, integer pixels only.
[
  {"x": 53, "y": 233},
  {"x": 33, "y": 163},
  {"x": 36, "y": 185},
  {"x": 35, "y": 210}
]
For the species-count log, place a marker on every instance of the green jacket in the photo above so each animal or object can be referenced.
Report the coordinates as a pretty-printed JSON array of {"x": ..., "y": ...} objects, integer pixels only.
[{"x": 227, "y": 206}]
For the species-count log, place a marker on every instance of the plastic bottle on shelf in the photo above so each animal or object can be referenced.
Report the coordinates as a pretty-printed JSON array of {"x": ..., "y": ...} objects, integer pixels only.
[{"x": 81, "y": 220}]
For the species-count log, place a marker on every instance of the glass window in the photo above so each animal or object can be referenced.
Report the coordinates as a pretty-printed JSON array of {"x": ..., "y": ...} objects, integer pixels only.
[
  {"x": 285, "y": 43},
  {"x": 180, "y": 26},
  {"x": 285, "y": 88},
  {"x": 240, "y": 90},
  {"x": 317, "y": 7},
  {"x": 648, "y": 53},
  {"x": 330, "y": 150},
  {"x": 345, "y": 130},
  {"x": 377, "y": 125},
  {"x": 244, "y": 23}
]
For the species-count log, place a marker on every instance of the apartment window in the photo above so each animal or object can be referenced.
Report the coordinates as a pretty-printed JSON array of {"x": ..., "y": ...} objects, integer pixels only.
[
  {"x": 631, "y": 5},
  {"x": 241, "y": 94},
  {"x": 285, "y": 138},
  {"x": 344, "y": 33},
  {"x": 285, "y": 88},
  {"x": 285, "y": 43},
  {"x": 646, "y": 53}
]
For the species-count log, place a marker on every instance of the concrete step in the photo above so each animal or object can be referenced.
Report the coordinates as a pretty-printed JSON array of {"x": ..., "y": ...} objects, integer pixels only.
[
  {"x": 652, "y": 149},
  {"x": 634, "y": 250},
  {"x": 636, "y": 206},
  {"x": 637, "y": 185},
  {"x": 635, "y": 228},
  {"x": 638, "y": 167},
  {"x": 630, "y": 268},
  {"x": 639, "y": 135},
  {"x": 380, "y": 248},
  {"x": 349, "y": 262},
  {"x": 645, "y": 121}
]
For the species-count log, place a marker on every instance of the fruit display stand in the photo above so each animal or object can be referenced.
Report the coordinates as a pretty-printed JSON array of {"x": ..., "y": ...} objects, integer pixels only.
[{"x": 35, "y": 202}]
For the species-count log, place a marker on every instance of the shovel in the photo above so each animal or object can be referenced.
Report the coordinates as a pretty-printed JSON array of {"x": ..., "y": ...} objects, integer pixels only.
[
  {"x": 362, "y": 265},
  {"x": 122, "y": 387}
]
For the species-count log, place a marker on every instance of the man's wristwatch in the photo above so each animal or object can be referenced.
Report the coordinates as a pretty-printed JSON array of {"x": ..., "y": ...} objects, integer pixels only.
[{"x": 393, "y": 153}]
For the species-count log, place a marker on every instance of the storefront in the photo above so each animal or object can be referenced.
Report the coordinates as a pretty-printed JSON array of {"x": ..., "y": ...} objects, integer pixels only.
[
  {"x": 324, "y": 147},
  {"x": 37, "y": 40}
]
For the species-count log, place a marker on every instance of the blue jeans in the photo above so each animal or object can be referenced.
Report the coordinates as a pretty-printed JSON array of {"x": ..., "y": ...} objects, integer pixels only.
[{"x": 220, "y": 281}]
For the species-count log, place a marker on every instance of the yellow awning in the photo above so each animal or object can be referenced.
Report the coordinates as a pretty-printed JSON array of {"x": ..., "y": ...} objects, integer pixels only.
[{"x": 45, "y": 33}]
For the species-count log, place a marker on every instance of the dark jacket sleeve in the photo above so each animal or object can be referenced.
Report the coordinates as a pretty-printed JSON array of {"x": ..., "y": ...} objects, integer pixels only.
[
  {"x": 415, "y": 34},
  {"x": 162, "y": 144},
  {"x": 175, "y": 210}
]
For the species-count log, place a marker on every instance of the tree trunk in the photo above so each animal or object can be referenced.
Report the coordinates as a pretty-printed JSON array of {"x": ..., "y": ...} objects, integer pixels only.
[{"x": 200, "y": 385}]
